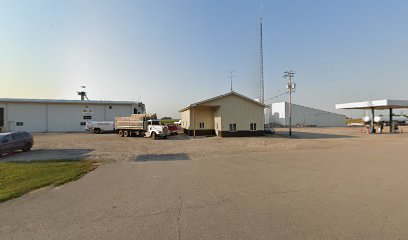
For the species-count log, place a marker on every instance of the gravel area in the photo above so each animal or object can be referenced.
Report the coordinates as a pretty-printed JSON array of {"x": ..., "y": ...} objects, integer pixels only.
[{"x": 112, "y": 148}]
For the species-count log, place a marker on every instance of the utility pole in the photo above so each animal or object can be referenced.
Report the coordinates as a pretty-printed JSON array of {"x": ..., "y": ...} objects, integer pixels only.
[
  {"x": 290, "y": 87},
  {"x": 230, "y": 76}
]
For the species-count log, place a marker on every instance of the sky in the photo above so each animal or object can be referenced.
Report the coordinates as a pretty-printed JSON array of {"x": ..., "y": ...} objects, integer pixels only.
[{"x": 169, "y": 54}]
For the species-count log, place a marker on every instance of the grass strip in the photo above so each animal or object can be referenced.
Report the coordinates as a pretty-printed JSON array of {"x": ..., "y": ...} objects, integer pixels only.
[{"x": 18, "y": 178}]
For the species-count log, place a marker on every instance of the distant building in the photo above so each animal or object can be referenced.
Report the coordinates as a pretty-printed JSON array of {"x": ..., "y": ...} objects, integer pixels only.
[
  {"x": 46, "y": 115},
  {"x": 227, "y": 115},
  {"x": 278, "y": 115}
]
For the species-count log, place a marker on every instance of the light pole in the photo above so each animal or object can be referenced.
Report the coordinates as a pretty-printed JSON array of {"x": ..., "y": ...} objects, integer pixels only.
[{"x": 290, "y": 87}]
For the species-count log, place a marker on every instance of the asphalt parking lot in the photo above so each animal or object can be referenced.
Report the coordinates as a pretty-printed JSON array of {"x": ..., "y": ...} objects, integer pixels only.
[{"x": 334, "y": 183}]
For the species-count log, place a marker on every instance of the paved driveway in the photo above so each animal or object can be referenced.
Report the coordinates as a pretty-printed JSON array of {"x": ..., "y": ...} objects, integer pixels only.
[{"x": 354, "y": 191}]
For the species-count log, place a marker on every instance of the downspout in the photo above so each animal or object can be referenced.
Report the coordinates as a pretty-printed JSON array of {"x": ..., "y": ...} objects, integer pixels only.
[{"x": 194, "y": 122}]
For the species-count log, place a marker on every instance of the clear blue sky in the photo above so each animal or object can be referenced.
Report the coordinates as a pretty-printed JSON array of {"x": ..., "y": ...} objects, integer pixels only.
[{"x": 172, "y": 53}]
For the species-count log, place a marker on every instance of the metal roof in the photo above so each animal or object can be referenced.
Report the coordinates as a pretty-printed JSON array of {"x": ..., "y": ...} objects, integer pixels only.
[
  {"x": 375, "y": 104},
  {"x": 221, "y": 96},
  {"x": 62, "y": 101}
]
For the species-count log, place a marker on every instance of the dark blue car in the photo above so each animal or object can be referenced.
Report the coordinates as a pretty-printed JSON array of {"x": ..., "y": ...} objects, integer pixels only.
[{"x": 15, "y": 141}]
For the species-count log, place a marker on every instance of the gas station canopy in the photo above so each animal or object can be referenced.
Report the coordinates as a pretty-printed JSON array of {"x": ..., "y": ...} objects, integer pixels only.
[{"x": 376, "y": 104}]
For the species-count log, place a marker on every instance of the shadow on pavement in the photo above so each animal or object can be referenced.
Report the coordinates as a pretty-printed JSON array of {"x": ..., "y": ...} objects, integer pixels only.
[
  {"x": 47, "y": 154},
  {"x": 180, "y": 136},
  {"x": 308, "y": 135},
  {"x": 162, "y": 157}
]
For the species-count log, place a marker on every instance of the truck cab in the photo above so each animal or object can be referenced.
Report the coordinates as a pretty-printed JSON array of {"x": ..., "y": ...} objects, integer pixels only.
[{"x": 155, "y": 129}]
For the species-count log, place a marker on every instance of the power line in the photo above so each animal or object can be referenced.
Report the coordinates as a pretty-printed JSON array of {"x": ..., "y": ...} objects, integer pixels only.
[{"x": 275, "y": 96}]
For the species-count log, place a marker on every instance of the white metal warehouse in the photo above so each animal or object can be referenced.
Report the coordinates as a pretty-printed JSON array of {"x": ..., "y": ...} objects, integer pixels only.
[
  {"x": 227, "y": 115},
  {"x": 278, "y": 114},
  {"x": 47, "y": 115}
]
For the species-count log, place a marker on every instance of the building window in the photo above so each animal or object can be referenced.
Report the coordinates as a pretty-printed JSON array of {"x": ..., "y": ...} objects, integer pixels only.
[
  {"x": 83, "y": 123},
  {"x": 201, "y": 125},
  {"x": 19, "y": 123},
  {"x": 87, "y": 117},
  {"x": 252, "y": 127},
  {"x": 233, "y": 127}
]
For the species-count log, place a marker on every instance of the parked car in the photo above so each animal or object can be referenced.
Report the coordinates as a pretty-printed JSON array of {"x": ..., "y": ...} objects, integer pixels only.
[{"x": 15, "y": 141}]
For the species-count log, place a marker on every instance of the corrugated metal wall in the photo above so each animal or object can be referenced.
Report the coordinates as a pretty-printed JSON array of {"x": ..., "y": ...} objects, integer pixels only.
[
  {"x": 304, "y": 116},
  {"x": 242, "y": 112},
  {"x": 225, "y": 111},
  {"x": 50, "y": 117}
]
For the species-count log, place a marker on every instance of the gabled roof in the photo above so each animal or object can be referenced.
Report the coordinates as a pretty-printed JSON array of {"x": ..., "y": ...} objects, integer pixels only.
[{"x": 222, "y": 96}]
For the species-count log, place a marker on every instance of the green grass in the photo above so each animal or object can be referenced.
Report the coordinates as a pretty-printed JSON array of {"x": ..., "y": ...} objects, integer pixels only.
[
  {"x": 169, "y": 121},
  {"x": 18, "y": 178},
  {"x": 356, "y": 120}
]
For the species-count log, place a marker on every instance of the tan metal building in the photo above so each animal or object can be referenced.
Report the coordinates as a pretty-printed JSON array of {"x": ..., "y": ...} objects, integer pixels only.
[{"x": 227, "y": 115}]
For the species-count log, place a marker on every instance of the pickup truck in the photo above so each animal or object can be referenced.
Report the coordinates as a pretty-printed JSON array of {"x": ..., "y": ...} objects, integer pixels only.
[
  {"x": 173, "y": 129},
  {"x": 99, "y": 126}
]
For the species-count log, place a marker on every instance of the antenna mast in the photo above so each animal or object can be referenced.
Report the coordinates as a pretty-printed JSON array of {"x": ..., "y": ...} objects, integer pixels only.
[
  {"x": 261, "y": 77},
  {"x": 82, "y": 94},
  {"x": 230, "y": 76}
]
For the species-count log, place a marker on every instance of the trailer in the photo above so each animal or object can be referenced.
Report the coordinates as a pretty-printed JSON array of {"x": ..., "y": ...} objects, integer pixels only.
[{"x": 146, "y": 125}]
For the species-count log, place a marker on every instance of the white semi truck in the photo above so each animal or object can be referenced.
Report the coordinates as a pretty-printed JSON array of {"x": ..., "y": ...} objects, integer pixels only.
[{"x": 140, "y": 125}]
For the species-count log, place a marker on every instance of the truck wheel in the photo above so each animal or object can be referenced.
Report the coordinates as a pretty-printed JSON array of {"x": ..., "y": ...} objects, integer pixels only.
[
  {"x": 154, "y": 137},
  {"x": 126, "y": 133},
  {"x": 97, "y": 130},
  {"x": 120, "y": 133}
]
